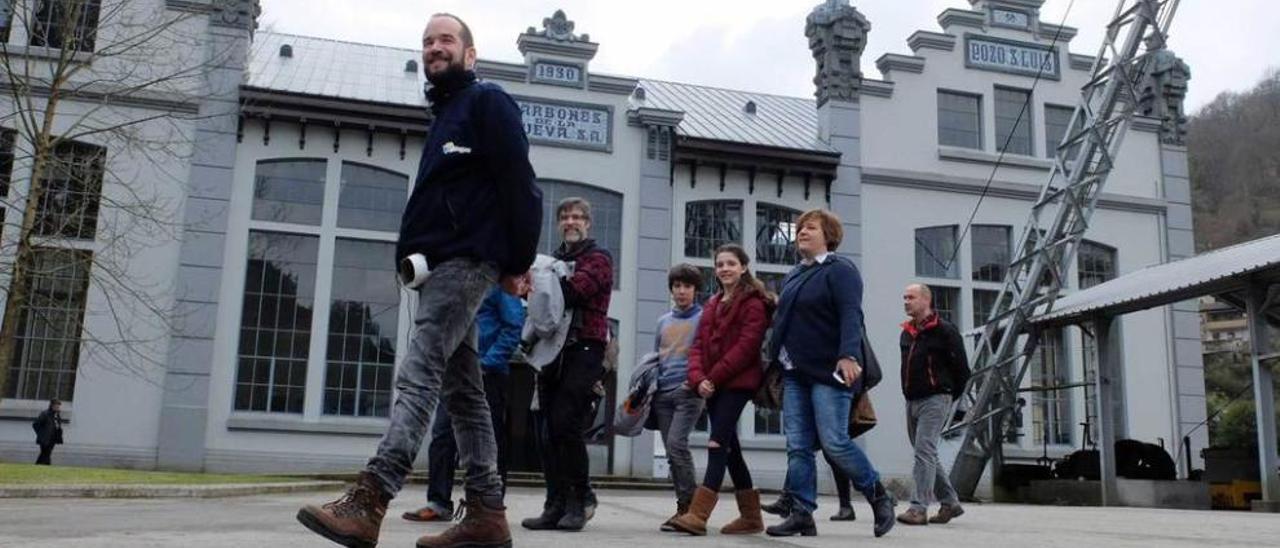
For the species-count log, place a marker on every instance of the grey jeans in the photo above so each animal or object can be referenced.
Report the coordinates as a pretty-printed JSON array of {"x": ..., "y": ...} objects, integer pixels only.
[
  {"x": 442, "y": 361},
  {"x": 925, "y": 419},
  {"x": 677, "y": 412}
]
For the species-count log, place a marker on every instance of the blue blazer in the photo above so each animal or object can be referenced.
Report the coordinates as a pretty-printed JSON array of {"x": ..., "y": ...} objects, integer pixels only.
[{"x": 819, "y": 318}]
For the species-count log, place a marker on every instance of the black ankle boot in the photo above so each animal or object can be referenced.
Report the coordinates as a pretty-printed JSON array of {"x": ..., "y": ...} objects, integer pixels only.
[
  {"x": 798, "y": 523},
  {"x": 575, "y": 517},
  {"x": 780, "y": 507},
  {"x": 844, "y": 514},
  {"x": 552, "y": 511},
  {"x": 882, "y": 504}
]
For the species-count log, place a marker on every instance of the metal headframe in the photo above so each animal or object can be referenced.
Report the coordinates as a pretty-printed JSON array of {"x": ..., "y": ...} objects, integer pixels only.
[{"x": 1058, "y": 220}]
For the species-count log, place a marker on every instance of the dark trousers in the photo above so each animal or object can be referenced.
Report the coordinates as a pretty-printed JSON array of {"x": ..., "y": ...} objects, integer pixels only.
[
  {"x": 724, "y": 409},
  {"x": 566, "y": 397},
  {"x": 46, "y": 453},
  {"x": 442, "y": 454}
]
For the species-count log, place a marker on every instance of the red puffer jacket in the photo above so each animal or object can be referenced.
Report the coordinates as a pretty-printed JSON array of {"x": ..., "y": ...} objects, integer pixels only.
[{"x": 726, "y": 349}]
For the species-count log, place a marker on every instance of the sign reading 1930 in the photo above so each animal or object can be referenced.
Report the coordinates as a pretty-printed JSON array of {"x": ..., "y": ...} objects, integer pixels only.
[
  {"x": 1009, "y": 56},
  {"x": 567, "y": 124}
]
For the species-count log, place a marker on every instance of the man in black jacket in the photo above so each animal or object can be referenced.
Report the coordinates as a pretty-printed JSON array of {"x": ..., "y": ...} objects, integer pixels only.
[
  {"x": 475, "y": 216},
  {"x": 48, "y": 427},
  {"x": 934, "y": 372}
]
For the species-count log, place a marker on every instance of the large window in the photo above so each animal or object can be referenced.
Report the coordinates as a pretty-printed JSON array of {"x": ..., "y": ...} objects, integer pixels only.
[
  {"x": 1013, "y": 121},
  {"x": 289, "y": 191},
  {"x": 935, "y": 252},
  {"x": 1056, "y": 121},
  {"x": 275, "y": 323},
  {"x": 357, "y": 318},
  {"x": 362, "y": 329},
  {"x": 959, "y": 119},
  {"x": 1051, "y": 420},
  {"x": 984, "y": 301},
  {"x": 371, "y": 198},
  {"x": 1095, "y": 264},
  {"x": 776, "y": 234},
  {"x": 710, "y": 224},
  {"x": 606, "y": 218},
  {"x": 72, "y": 190},
  {"x": 69, "y": 24},
  {"x": 47, "y": 349},
  {"x": 991, "y": 252}
]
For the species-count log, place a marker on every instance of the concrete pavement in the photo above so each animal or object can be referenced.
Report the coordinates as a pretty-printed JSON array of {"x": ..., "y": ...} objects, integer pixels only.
[{"x": 625, "y": 519}]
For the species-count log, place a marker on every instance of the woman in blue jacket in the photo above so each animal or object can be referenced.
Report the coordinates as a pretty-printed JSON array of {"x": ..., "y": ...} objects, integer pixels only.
[{"x": 817, "y": 340}]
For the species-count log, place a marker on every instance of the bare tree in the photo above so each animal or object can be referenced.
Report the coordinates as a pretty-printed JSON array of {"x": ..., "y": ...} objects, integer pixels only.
[{"x": 102, "y": 101}]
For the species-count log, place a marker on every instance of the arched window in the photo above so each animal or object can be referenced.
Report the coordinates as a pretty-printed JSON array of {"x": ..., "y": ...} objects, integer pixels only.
[
  {"x": 371, "y": 198},
  {"x": 289, "y": 191},
  {"x": 709, "y": 224},
  {"x": 776, "y": 234}
]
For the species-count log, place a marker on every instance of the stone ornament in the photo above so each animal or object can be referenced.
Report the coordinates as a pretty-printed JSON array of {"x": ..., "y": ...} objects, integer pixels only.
[
  {"x": 558, "y": 27},
  {"x": 837, "y": 35}
]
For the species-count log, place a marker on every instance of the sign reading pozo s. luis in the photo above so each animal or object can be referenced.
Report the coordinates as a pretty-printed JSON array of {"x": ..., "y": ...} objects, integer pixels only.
[
  {"x": 559, "y": 123},
  {"x": 1013, "y": 57}
]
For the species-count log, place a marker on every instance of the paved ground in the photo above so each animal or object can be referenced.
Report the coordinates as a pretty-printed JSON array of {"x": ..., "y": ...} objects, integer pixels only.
[{"x": 625, "y": 519}]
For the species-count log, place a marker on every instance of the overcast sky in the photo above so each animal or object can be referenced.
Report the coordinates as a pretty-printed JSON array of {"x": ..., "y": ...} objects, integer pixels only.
[{"x": 759, "y": 45}]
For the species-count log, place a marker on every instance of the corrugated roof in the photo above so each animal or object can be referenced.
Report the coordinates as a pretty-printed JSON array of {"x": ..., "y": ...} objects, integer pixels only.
[
  {"x": 720, "y": 115},
  {"x": 364, "y": 72},
  {"x": 1171, "y": 282},
  {"x": 332, "y": 68}
]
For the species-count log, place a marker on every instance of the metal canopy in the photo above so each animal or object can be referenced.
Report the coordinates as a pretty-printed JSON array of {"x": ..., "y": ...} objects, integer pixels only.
[{"x": 1218, "y": 272}]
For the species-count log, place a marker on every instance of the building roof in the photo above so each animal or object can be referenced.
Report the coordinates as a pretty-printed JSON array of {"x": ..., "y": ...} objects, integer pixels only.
[
  {"x": 363, "y": 72},
  {"x": 332, "y": 68},
  {"x": 721, "y": 115},
  {"x": 1217, "y": 272}
]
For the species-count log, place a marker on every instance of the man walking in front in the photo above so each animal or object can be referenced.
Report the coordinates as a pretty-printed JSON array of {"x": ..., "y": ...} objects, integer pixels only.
[
  {"x": 475, "y": 216},
  {"x": 566, "y": 386},
  {"x": 934, "y": 372}
]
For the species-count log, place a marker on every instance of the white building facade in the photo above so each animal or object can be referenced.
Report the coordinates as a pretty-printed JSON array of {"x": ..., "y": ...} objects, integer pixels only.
[{"x": 302, "y": 325}]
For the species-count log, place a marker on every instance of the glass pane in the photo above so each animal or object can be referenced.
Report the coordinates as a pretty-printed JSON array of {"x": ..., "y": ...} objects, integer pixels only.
[
  {"x": 935, "y": 252},
  {"x": 984, "y": 301},
  {"x": 1051, "y": 412},
  {"x": 364, "y": 318},
  {"x": 710, "y": 224},
  {"x": 1056, "y": 120},
  {"x": 277, "y": 358},
  {"x": 959, "y": 120},
  {"x": 289, "y": 191},
  {"x": 946, "y": 301},
  {"x": 710, "y": 285},
  {"x": 371, "y": 198},
  {"x": 72, "y": 192},
  {"x": 606, "y": 218},
  {"x": 776, "y": 234},
  {"x": 1013, "y": 120},
  {"x": 47, "y": 345},
  {"x": 1096, "y": 263},
  {"x": 768, "y": 422},
  {"x": 992, "y": 247}
]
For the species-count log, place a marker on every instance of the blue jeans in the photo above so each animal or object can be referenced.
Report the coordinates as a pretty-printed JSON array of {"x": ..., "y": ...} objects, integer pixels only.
[{"x": 817, "y": 415}]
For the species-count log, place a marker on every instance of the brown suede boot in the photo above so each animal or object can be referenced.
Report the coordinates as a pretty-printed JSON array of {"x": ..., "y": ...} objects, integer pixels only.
[
  {"x": 352, "y": 520},
  {"x": 750, "y": 521},
  {"x": 681, "y": 508},
  {"x": 482, "y": 525},
  {"x": 694, "y": 521}
]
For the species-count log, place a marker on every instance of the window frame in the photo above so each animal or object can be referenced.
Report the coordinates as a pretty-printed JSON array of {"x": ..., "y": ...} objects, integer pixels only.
[
  {"x": 979, "y": 127},
  {"x": 1027, "y": 121},
  {"x": 39, "y": 33}
]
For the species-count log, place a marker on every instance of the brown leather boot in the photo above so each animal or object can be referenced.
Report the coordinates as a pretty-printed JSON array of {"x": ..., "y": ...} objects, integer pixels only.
[
  {"x": 482, "y": 525},
  {"x": 681, "y": 508},
  {"x": 750, "y": 521},
  {"x": 354, "y": 519},
  {"x": 694, "y": 521},
  {"x": 913, "y": 516},
  {"x": 947, "y": 513}
]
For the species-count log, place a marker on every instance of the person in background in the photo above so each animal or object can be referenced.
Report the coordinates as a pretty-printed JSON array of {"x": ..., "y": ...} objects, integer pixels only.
[
  {"x": 934, "y": 372},
  {"x": 48, "y": 427}
]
